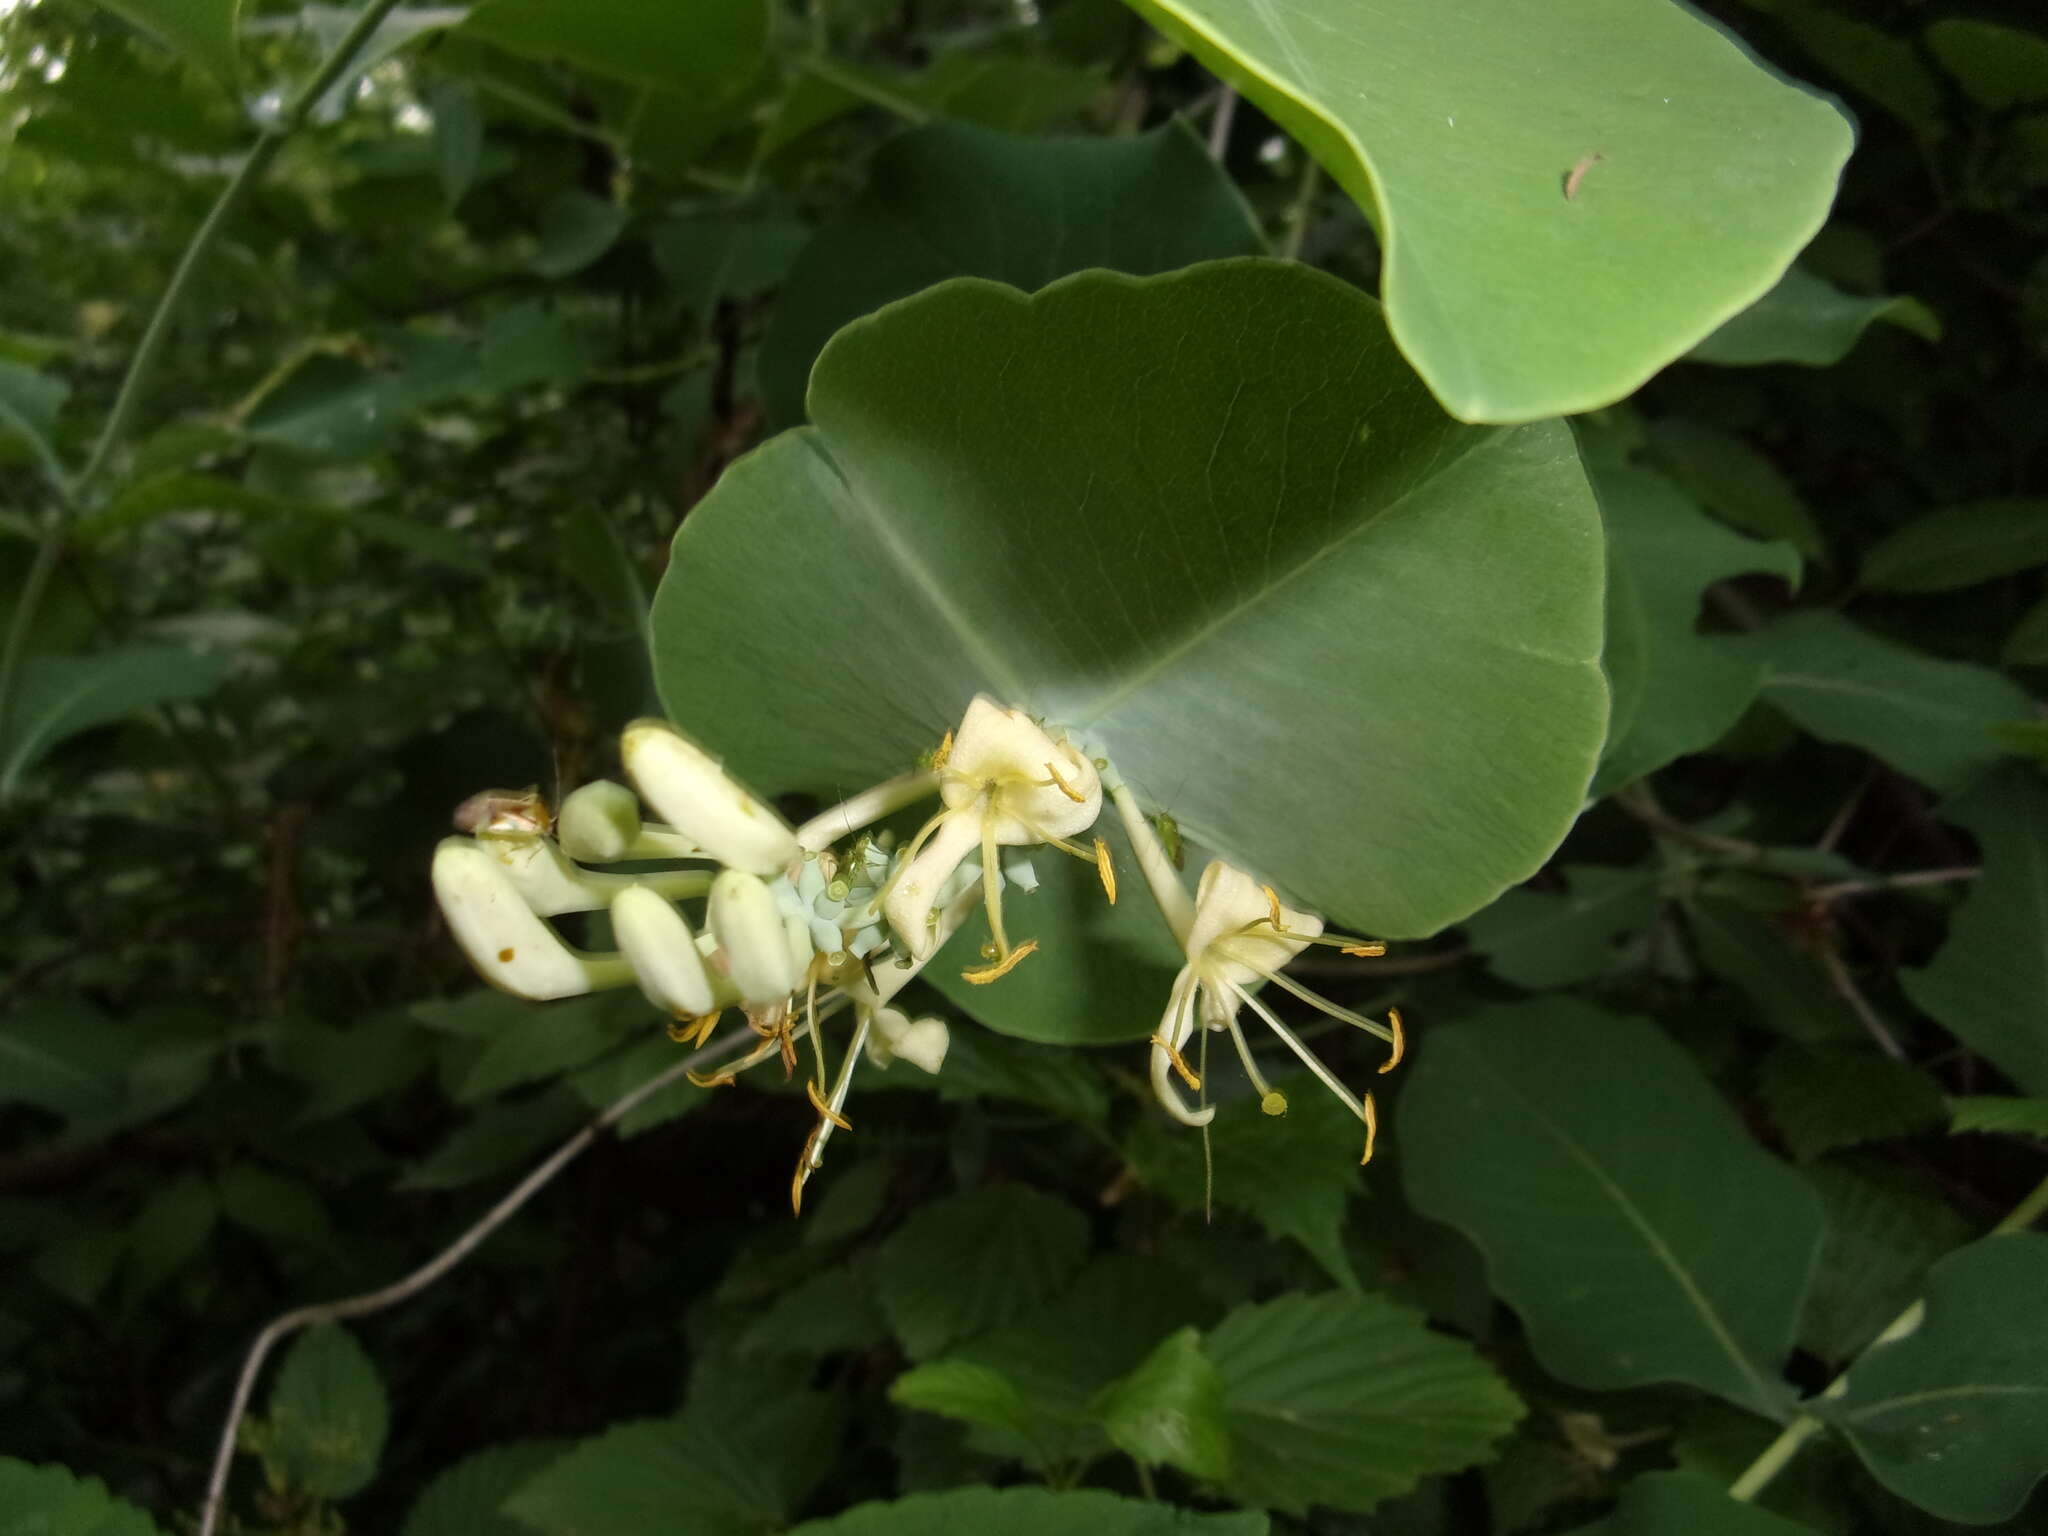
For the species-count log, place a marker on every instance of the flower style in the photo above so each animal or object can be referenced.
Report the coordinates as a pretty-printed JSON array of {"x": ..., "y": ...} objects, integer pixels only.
[
  {"x": 1005, "y": 782},
  {"x": 1241, "y": 934}
]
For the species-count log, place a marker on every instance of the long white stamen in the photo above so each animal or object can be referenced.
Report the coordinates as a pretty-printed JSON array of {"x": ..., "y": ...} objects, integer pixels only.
[
  {"x": 1308, "y": 1057},
  {"x": 1315, "y": 1000},
  {"x": 866, "y": 808}
]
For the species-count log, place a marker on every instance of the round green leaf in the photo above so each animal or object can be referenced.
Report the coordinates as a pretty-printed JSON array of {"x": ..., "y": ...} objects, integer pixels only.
[
  {"x": 1566, "y": 199},
  {"x": 1623, "y": 1210},
  {"x": 328, "y": 1415},
  {"x": 1207, "y": 521},
  {"x": 1954, "y": 1415},
  {"x": 1170, "y": 1409}
]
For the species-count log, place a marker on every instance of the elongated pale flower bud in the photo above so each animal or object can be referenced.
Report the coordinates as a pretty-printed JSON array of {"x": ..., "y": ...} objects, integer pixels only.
[
  {"x": 754, "y": 938},
  {"x": 508, "y": 944},
  {"x": 657, "y": 940},
  {"x": 693, "y": 793}
]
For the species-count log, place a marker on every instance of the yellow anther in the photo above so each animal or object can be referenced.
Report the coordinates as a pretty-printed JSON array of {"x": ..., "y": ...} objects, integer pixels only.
[
  {"x": 1372, "y": 1127},
  {"x": 1107, "y": 870},
  {"x": 711, "y": 1079},
  {"x": 1400, "y": 1044},
  {"x": 937, "y": 759},
  {"x": 818, "y": 1103},
  {"x": 687, "y": 1030},
  {"x": 1187, "y": 1073},
  {"x": 796, "y": 1190},
  {"x": 1370, "y": 949},
  {"x": 1274, "y": 1103},
  {"x": 1273, "y": 909},
  {"x": 1066, "y": 789},
  {"x": 988, "y": 973}
]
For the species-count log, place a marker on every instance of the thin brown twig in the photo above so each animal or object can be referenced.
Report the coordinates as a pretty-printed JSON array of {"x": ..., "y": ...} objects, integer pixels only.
[
  {"x": 1917, "y": 877},
  {"x": 442, "y": 1262},
  {"x": 1846, "y": 989}
]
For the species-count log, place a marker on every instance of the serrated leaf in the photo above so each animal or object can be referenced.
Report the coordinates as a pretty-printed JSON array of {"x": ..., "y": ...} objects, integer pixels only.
[
  {"x": 1544, "y": 245},
  {"x": 1459, "y": 759},
  {"x": 60, "y": 696},
  {"x": 344, "y": 1069},
  {"x": 604, "y": 1082},
  {"x": 1675, "y": 691},
  {"x": 1885, "y": 1226},
  {"x": 1954, "y": 1415},
  {"x": 1346, "y": 1401},
  {"x": 496, "y": 1138},
  {"x": 1960, "y": 546},
  {"x": 66, "y": 1057},
  {"x": 1807, "y": 319},
  {"x": 1928, "y": 718},
  {"x": 539, "y": 1042},
  {"x": 1062, "y": 1080},
  {"x": 170, "y": 1231},
  {"x": 1686, "y": 1504},
  {"x": 1170, "y": 1410},
  {"x": 1030, "y": 1512},
  {"x": 1540, "y": 939},
  {"x": 960, "y": 1389},
  {"x": 467, "y": 1499},
  {"x": 284, "y": 1211},
  {"x": 1999, "y": 1114},
  {"x": 1623, "y": 1211},
  {"x": 1294, "y": 1173},
  {"x": 54, "y": 1501},
  {"x": 1044, "y": 208},
  {"x": 328, "y": 1415},
  {"x": 967, "y": 1263},
  {"x": 1824, "y": 1100},
  {"x": 1988, "y": 984}
]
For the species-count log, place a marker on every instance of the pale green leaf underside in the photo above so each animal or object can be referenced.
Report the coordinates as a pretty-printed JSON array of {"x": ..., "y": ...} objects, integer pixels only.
[
  {"x": 1623, "y": 1210},
  {"x": 63, "y": 695},
  {"x": 1210, "y": 522},
  {"x": 1695, "y": 175}
]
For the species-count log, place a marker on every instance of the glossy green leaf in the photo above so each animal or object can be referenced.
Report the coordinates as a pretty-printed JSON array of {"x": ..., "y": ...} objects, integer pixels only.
[
  {"x": 1736, "y": 483},
  {"x": 1553, "y": 938},
  {"x": 1806, "y": 319},
  {"x": 575, "y": 230},
  {"x": 1960, "y": 546},
  {"x": 1563, "y": 207},
  {"x": 328, "y": 1415},
  {"x": 1954, "y": 1415},
  {"x": 707, "y": 50},
  {"x": 202, "y": 30},
  {"x": 1928, "y": 718},
  {"x": 1824, "y": 1100},
  {"x": 1886, "y": 1224},
  {"x": 64, "y": 1056},
  {"x": 961, "y": 1389},
  {"x": 1346, "y": 1401},
  {"x": 2000, "y": 1114},
  {"x": 1043, "y": 208},
  {"x": 1623, "y": 1210},
  {"x": 467, "y": 1498},
  {"x": 1988, "y": 984},
  {"x": 1170, "y": 1410},
  {"x": 1675, "y": 691},
  {"x": 1686, "y": 1504},
  {"x": 1030, "y": 1512},
  {"x": 60, "y": 696},
  {"x": 1292, "y": 514},
  {"x": 54, "y": 1501},
  {"x": 965, "y": 1264},
  {"x": 1997, "y": 66}
]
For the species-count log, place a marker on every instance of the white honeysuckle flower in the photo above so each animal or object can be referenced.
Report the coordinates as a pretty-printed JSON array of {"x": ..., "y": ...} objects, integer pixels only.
[
  {"x": 703, "y": 803},
  {"x": 895, "y": 1036},
  {"x": 505, "y": 939},
  {"x": 656, "y": 939},
  {"x": 754, "y": 939},
  {"x": 1241, "y": 934},
  {"x": 1005, "y": 782},
  {"x": 599, "y": 823}
]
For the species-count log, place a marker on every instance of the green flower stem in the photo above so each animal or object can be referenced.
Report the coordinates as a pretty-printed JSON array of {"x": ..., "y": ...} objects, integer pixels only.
[
  {"x": 1802, "y": 1429},
  {"x": 57, "y": 525}
]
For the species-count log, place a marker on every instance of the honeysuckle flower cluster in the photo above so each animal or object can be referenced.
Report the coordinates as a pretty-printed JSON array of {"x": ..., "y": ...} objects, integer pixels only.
[{"x": 786, "y": 926}]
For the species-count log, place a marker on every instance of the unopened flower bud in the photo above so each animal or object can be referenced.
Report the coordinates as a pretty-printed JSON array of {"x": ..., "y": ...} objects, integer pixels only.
[
  {"x": 657, "y": 940},
  {"x": 505, "y": 940},
  {"x": 693, "y": 793},
  {"x": 752, "y": 935}
]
